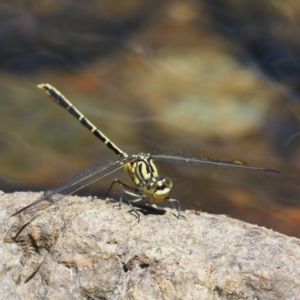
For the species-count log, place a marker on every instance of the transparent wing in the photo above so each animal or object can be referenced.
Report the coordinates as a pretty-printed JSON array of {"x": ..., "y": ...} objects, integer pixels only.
[
  {"x": 187, "y": 158},
  {"x": 76, "y": 182}
]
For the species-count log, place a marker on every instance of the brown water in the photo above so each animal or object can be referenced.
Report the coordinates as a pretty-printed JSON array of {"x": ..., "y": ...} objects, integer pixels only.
[{"x": 151, "y": 76}]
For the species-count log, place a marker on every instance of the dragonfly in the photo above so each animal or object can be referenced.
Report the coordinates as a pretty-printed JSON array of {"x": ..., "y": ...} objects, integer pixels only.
[{"x": 141, "y": 168}]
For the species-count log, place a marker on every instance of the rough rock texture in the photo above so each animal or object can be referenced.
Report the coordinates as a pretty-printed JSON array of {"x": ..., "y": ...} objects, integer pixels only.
[{"x": 87, "y": 249}]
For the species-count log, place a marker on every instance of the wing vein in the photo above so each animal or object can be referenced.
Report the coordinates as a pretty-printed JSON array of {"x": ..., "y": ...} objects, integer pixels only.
[{"x": 75, "y": 182}]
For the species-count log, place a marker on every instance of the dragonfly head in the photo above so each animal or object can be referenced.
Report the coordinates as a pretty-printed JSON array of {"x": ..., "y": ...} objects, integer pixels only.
[{"x": 158, "y": 189}]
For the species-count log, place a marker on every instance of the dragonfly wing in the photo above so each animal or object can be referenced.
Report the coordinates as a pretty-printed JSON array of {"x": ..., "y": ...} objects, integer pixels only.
[
  {"x": 187, "y": 158},
  {"x": 76, "y": 182}
]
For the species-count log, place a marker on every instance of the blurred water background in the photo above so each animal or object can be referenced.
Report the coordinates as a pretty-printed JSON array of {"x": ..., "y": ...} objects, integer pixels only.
[{"x": 217, "y": 78}]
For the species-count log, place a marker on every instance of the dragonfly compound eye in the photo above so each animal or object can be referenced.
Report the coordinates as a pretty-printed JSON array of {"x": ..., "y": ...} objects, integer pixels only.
[
  {"x": 167, "y": 182},
  {"x": 151, "y": 186}
]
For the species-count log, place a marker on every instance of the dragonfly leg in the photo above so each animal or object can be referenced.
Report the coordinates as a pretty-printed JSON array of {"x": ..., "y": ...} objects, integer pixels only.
[
  {"x": 178, "y": 206},
  {"x": 122, "y": 185},
  {"x": 140, "y": 197}
]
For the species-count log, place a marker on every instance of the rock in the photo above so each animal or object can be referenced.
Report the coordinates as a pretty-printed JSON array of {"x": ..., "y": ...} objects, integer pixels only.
[{"x": 84, "y": 248}]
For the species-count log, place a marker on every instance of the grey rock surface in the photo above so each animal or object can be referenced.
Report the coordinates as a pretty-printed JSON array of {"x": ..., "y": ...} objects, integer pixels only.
[{"x": 85, "y": 248}]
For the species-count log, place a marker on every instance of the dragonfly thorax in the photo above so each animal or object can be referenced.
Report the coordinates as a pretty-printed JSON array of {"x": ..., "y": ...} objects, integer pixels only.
[
  {"x": 144, "y": 174},
  {"x": 142, "y": 169}
]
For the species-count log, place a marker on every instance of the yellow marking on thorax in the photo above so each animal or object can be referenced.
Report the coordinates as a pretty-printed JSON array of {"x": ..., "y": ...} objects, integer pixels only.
[{"x": 139, "y": 173}]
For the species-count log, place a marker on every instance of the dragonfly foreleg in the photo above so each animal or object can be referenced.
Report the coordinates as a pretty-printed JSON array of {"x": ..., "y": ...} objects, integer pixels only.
[
  {"x": 128, "y": 190},
  {"x": 139, "y": 196},
  {"x": 178, "y": 206}
]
